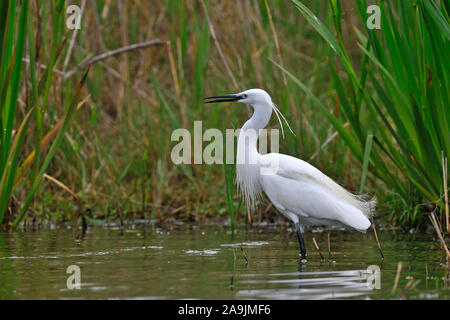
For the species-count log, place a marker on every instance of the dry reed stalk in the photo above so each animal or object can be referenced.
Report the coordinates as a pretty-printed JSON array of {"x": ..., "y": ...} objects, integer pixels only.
[
  {"x": 66, "y": 188},
  {"x": 75, "y": 197},
  {"x": 176, "y": 84},
  {"x": 435, "y": 224},
  {"x": 105, "y": 55},
  {"x": 409, "y": 286},
  {"x": 106, "y": 9},
  {"x": 376, "y": 238},
  {"x": 72, "y": 41},
  {"x": 245, "y": 255},
  {"x": 26, "y": 59},
  {"x": 317, "y": 247},
  {"x": 249, "y": 216},
  {"x": 397, "y": 277}
]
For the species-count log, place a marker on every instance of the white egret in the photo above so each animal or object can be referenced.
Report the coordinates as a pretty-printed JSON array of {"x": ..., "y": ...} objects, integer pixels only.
[{"x": 301, "y": 192}]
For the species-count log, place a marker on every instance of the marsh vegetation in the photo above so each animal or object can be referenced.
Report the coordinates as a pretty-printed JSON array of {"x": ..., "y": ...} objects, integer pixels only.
[{"x": 87, "y": 114}]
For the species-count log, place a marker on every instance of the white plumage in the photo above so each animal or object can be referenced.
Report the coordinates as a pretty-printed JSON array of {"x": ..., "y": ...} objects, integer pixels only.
[
  {"x": 297, "y": 189},
  {"x": 301, "y": 191}
]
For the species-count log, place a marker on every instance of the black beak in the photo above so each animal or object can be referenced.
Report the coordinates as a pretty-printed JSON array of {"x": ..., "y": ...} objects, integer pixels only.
[{"x": 222, "y": 98}]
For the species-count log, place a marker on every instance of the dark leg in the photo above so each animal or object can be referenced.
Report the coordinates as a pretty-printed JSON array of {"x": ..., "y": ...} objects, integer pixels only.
[{"x": 301, "y": 240}]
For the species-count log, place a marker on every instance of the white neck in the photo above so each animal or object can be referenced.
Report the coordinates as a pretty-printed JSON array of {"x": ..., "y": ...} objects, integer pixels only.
[
  {"x": 248, "y": 137},
  {"x": 260, "y": 117},
  {"x": 247, "y": 160}
]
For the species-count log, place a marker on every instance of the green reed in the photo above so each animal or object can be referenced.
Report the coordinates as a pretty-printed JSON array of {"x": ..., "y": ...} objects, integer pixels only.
[
  {"x": 395, "y": 98},
  {"x": 19, "y": 169}
]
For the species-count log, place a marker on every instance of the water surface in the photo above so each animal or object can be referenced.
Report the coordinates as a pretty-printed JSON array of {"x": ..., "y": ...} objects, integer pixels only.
[{"x": 206, "y": 262}]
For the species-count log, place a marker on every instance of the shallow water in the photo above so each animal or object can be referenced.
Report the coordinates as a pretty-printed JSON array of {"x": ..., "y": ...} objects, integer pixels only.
[{"x": 206, "y": 262}]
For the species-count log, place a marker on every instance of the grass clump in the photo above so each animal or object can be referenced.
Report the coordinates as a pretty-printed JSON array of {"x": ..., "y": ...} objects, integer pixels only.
[{"x": 17, "y": 170}]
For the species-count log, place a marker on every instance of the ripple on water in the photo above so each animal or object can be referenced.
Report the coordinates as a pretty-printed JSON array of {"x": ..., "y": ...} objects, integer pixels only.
[
  {"x": 245, "y": 244},
  {"x": 84, "y": 254},
  {"x": 202, "y": 252}
]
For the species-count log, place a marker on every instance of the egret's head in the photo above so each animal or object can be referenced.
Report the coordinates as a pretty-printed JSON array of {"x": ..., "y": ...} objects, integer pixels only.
[
  {"x": 257, "y": 98},
  {"x": 252, "y": 97}
]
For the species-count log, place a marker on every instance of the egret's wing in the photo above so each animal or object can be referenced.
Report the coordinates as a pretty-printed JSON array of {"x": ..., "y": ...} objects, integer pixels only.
[
  {"x": 306, "y": 190},
  {"x": 310, "y": 200},
  {"x": 293, "y": 168},
  {"x": 296, "y": 169}
]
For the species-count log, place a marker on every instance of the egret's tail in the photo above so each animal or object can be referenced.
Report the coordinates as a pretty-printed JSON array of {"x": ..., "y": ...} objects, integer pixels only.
[
  {"x": 357, "y": 204},
  {"x": 360, "y": 202},
  {"x": 367, "y": 207},
  {"x": 352, "y": 216}
]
